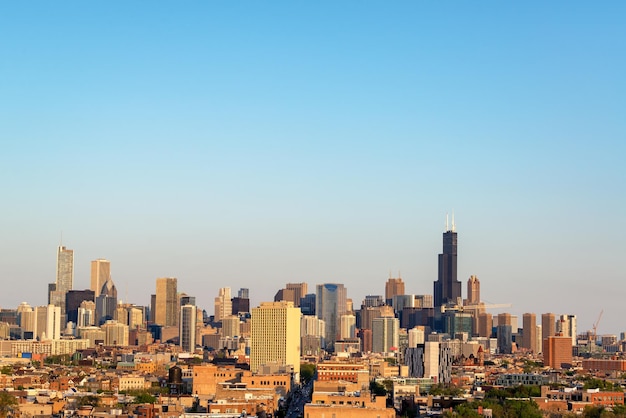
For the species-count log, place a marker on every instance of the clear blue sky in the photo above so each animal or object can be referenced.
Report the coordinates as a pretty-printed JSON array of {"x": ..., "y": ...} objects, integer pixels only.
[{"x": 251, "y": 144}]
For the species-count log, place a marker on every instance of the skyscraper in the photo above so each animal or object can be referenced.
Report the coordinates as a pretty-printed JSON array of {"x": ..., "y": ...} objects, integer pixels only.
[
  {"x": 166, "y": 312},
  {"x": 529, "y": 336},
  {"x": 385, "y": 336},
  {"x": 100, "y": 273},
  {"x": 65, "y": 269},
  {"x": 64, "y": 279},
  {"x": 275, "y": 327},
  {"x": 223, "y": 304},
  {"x": 473, "y": 291},
  {"x": 447, "y": 289},
  {"x": 300, "y": 289},
  {"x": 548, "y": 327},
  {"x": 393, "y": 287},
  {"x": 187, "y": 332},
  {"x": 330, "y": 305}
]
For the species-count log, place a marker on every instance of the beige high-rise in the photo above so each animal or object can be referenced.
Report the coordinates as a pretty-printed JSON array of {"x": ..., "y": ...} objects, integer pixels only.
[
  {"x": 473, "y": 290},
  {"x": 529, "y": 337},
  {"x": 275, "y": 327},
  {"x": 223, "y": 304},
  {"x": 100, "y": 273},
  {"x": 166, "y": 303}
]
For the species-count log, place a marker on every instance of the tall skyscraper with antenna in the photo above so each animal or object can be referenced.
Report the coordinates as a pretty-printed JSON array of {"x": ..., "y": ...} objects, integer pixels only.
[{"x": 447, "y": 289}]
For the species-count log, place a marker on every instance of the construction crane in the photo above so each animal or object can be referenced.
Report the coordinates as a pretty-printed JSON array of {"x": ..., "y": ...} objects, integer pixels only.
[{"x": 594, "y": 333}]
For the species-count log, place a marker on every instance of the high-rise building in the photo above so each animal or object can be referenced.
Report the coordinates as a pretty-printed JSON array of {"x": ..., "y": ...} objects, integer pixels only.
[
  {"x": 393, "y": 287},
  {"x": 447, "y": 289},
  {"x": 299, "y": 289},
  {"x": 274, "y": 327},
  {"x": 348, "y": 327},
  {"x": 166, "y": 312},
  {"x": 65, "y": 269},
  {"x": 529, "y": 333},
  {"x": 64, "y": 279},
  {"x": 330, "y": 305},
  {"x": 100, "y": 273},
  {"x": 223, "y": 304},
  {"x": 48, "y": 322},
  {"x": 548, "y": 327},
  {"x": 243, "y": 293},
  {"x": 73, "y": 299},
  {"x": 187, "y": 331},
  {"x": 473, "y": 291},
  {"x": 485, "y": 325},
  {"x": 557, "y": 352},
  {"x": 385, "y": 336},
  {"x": 106, "y": 302}
]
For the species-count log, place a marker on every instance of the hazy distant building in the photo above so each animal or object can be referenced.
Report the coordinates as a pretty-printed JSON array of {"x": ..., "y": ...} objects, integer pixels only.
[
  {"x": 288, "y": 295},
  {"x": 100, "y": 273},
  {"x": 240, "y": 305},
  {"x": 447, "y": 289},
  {"x": 473, "y": 291},
  {"x": 48, "y": 322},
  {"x": 372, "y": 301},
  {"x": 86, "y": 314},
  {"x": 166, "y": 301},
  {"x": 330, "y": 305},
  {"x": 393, "y": 287},
  {"x": 274, "y": 326},
  {"x": 243, "y": 293},
  {"x": 115, "y": 333},
  {"x": 307, "y": 304},
  {"x": 485, "y": 325},
  {"x": 299, "y": 291}
]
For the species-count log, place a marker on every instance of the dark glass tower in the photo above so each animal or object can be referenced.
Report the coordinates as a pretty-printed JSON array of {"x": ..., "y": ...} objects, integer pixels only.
[{"x": 447, "y": 287}]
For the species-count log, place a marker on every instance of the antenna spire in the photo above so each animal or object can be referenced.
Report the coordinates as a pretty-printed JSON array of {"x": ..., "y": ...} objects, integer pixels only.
[
  {"x": 453, "y": 224},
  {"x": 447, "y": 227}
]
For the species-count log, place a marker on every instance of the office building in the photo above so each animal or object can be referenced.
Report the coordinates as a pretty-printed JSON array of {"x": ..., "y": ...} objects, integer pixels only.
[
  {"x": 393, "y": 287},
  {"x": 223, "y": 304},
  {"x": 307, "y": 304},
  {"x": 166, "y": 302},
  {"x": 187, "y": 330},
  {"x": 447, "y": 289},
  {"x": 100, "y": 273},
  {"x": 330, "y": 305},
  {"x": 348, "y": 327},
  {"x": 273, "y": 328},
  {"x": 115, "y": 333},
  {"x": 73, "y": 299},
  {"x": 529, "y": 333},
  {"x": 299, "y": 290},
  {"x": 65, "y": 269},
  {"x": 385, "y": 336},
  {"x": 557, "y": 352},
  {"x": 240, "y": 306},
  {"x": 473, "y": 291},
  {"x": 106, "y": 302},
  {"x": 548, "y": 325}
]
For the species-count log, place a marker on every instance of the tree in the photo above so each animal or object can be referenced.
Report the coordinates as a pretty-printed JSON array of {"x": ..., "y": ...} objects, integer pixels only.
[
  {"x": 7, "y": 402},
  {"x": 307, "y": 371},
  {"x": 377, "y": 389}
]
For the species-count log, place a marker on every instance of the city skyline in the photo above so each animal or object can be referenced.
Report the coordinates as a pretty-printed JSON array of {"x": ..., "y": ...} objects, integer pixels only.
[{"x": 254, "y": 145}]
